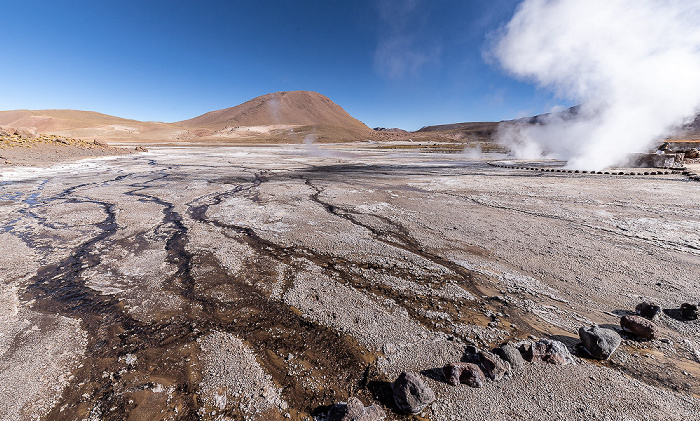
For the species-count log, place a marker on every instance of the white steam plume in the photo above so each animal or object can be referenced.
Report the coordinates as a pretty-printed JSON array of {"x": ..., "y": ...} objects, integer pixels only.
[
  {"x": 313, "y": 150},
  {"x": 634, "y": 65}
]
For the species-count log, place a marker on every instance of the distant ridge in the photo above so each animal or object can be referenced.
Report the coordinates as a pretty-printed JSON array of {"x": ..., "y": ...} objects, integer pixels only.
[{"x": 291, "y": 108}]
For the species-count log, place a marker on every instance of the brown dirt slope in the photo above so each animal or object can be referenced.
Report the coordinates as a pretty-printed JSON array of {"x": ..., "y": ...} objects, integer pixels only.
[
  {"x": 58, "y": 120},
  {"x": 293, "y": 108}
]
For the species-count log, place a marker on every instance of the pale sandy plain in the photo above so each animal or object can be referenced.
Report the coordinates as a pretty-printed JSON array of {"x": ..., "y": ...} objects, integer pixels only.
[{"x": 266, "y": 283}]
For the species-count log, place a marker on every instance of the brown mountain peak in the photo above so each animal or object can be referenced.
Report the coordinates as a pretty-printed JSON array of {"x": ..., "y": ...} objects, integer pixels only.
[{"x": 287, "y": 107}]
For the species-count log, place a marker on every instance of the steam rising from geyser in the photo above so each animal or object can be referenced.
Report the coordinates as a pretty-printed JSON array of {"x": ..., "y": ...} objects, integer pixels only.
[{"x": 634, "y": 65}]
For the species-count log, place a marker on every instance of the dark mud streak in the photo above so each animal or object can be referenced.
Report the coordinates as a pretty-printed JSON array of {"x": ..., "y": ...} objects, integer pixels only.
[
  {"x": 60, "y": 289},
  {"x": 336, "y": 358}
]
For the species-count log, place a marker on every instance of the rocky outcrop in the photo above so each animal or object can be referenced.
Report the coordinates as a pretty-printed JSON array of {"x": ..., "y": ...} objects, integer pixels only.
[
  {"x": 411, "y": 394},
  {"x": 355, "y": 410},
  {"x": 510, "y": 354},
  {"x": 600, "y": 343},
  {"x": 648, "y": 310},
  {"x": 465, "y": 373},
  {"x": 640, "y": 327},
  {"x": 548, "y": 351},
  {"x": 493, "y": 366},
  {"x": 689, "y": 311}
]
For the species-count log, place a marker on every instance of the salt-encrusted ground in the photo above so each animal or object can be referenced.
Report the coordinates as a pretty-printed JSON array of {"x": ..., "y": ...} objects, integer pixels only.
[{"x": 260, "y": 283}]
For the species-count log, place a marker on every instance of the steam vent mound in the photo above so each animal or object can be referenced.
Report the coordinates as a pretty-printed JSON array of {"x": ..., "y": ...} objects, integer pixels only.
[{"x": 293, "y": 108}]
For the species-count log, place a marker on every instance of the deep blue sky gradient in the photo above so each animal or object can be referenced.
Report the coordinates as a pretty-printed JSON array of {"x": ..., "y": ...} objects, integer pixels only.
[{"x": 389, "y": 63}]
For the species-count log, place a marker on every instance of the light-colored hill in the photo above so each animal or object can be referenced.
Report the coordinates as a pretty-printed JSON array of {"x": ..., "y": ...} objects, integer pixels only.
[
  {"x": 86, "y": 125},
  {"x": 54, "y": 120}
]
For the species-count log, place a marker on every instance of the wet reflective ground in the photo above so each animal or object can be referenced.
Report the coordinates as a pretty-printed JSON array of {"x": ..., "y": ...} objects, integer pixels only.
[{"x": 264, "y": 283}]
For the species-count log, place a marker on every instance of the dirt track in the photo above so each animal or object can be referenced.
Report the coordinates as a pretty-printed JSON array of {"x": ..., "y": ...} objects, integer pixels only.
[{"x": 258, "y": 282}]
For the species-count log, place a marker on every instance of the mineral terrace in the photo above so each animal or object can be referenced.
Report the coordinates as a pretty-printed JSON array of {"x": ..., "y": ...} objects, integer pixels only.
[{"x": 265, "y": 283}]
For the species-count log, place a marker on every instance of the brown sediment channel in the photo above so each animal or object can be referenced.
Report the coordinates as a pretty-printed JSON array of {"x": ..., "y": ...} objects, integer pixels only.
[{"x": 334, "y": 277}]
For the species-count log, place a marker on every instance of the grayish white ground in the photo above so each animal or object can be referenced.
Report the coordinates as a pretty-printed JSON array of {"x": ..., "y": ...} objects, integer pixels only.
[{"x": 266, "y": 282}]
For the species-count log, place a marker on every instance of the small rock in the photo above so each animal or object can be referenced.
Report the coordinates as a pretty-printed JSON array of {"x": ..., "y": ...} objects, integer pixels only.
[
  {"x": 355, "y": 410},
  {"x": 411, "y": 394},
  {"x": 692, "y": 153},
  {"x": 494, "y": 366},
  {"x": 549, "y": 351},
  {"x": 101, "y": 143},
  {"x": 140, "y": 149},
  {"x": 639, "y": 326},
  {"x": 689, "y": 311},
  {"x": 599, "y": 342},
  {"x": 465, "y": 373},
  {"x": 511, "y": 355},
  {"x": 648, "y": 310},
  {"x": 471, "y": 355}
]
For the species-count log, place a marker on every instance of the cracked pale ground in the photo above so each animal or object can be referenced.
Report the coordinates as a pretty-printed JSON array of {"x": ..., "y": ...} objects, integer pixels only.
[{"x": 259, "y": 283}]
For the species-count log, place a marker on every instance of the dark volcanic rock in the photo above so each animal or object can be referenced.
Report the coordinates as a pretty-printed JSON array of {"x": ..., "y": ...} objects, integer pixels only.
[
  {"x": 511, "y": 355},
  {"x": 639, "y": 326},
  {"x": 689, "y": 311},
  {"x": 648, "y": 310},
  {"x": 599, "y": 343},
  {"x": 354, "y": 410},
  {"x": 549, "y": 351},
  {"x": 494, "y": 367},
  {"x": 411, "y": 394},
  {"x": 466, "y": 373},
  {"x": 471, "y": 355}
]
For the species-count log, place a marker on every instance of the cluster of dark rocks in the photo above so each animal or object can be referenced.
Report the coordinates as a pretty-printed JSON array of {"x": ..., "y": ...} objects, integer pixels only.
[
  {"x": 600, "y": 343},
  {"x": 412, "y": 394},
  {"x": 651, "y": 310},
  {"x": 478, "y": 365}
]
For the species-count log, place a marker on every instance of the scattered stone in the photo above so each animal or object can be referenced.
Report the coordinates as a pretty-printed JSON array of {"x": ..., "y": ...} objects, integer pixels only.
[
  {"x": 411, "y": 394},
  {"x": 639, "y": 326},
  {"x": 140, "y": 149},
  {"x": 648, "y": 310},
  {"x": 471, "y": 355},
  {"x": 689, "y": 311},
  {"x": 355, "y": 410},
  {"x": 549, "y": 351},
  {"x": 692, "y": 153},
  {"x": 600, "y": 343},
  {"x": 494, "y": 367},
  {"x": 511, "y": 355},
  {"x": 465, "y": 373}
]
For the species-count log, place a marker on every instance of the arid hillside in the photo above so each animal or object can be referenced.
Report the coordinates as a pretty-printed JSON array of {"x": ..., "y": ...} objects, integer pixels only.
[
  {"x": 279, "y": 108},
  {"x": 86, "y": 125},
  {"x": 281, "y": 117}
]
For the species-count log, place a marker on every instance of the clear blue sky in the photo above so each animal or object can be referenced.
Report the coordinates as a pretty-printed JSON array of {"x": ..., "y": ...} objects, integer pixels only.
[{"x": 389, "y": 63}]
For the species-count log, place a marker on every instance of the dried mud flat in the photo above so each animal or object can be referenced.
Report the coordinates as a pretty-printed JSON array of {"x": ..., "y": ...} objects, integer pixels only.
[{"x": 266, "y": 283}]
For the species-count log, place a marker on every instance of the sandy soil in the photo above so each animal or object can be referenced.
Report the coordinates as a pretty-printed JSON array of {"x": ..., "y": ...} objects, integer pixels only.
[
  {"x": 45, "y": 150},
  {"x": 271, "y": 282}
]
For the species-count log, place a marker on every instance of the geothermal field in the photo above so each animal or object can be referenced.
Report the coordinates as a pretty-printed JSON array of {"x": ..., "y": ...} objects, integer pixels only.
[{"x": 270, "y": 282}]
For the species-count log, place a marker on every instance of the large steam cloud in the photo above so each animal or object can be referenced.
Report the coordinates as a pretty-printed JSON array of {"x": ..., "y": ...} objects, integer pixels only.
[{"x": 634, "y": 65}]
